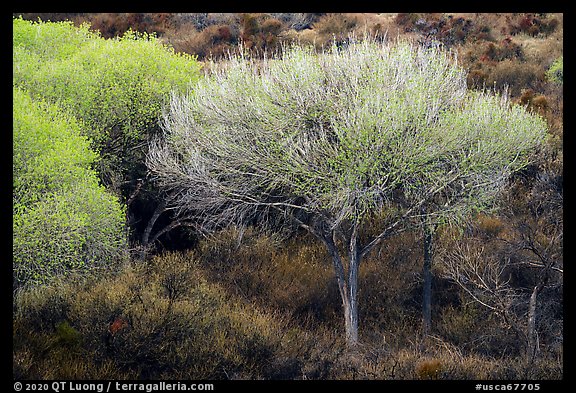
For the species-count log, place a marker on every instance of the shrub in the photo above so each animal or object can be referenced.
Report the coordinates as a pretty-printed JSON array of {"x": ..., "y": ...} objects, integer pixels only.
[
  {"x": 509, "y": 50},
  {"x": 335, "y": 25},
  {"x": 271, "y": 26},
  {"x": 516, "y": 76},
  {"x": 107, "y": 83},
  {"x": 531, "y": 24},
  {"x": 214, "y": 41},
  {"x": 200, "y": 20},
  {"x": 489, "y": 225},
  {"x": 290, "y": 276},
  {"x": 117, "y": 24},
  {"x": 297, "y": 21},
  {"x": 476, "y": 79},
  {"x": 160, "y": 320},
  {"x": 548, "y": 27},
  {"x": 165, "y": 320},
  {"x": 116, "y": 87},
  {"x": 555, "y": 73},
  {"x": 63, "y": 218},
  {"x": 407, "y": 20},
  {"x": 457, "y": 30},
  {"x": 259, "y": 33},
  {"x": 506, "y": 49},
  {"x": 534, "y": 102},
  {"x": 46, "y": 41},
  {"x": 429, "y": 369},
  {"x": 49, "y": 16}
]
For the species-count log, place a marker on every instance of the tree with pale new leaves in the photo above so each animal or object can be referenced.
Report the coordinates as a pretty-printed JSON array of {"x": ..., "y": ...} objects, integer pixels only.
[{"x": 330, "y": 141}]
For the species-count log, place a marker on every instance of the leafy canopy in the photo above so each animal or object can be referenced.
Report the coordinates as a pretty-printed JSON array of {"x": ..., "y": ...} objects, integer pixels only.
[
  {"x": 354, "y": 131},
  {"x": 117, "y": 87}
]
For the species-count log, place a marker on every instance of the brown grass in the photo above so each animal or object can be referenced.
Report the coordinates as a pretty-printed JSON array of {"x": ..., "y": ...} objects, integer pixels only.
[{"x": 245, "y": 312}]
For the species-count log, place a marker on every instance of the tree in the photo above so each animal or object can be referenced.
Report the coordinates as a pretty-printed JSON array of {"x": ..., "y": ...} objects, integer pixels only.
[
  {"x": 428, "y": 231},
  {"x": 509, "y": 280},
  {"x": 327, "y": 142},
  {"x": 63, "y": 219},
  {"x": 116, "y": 88}
]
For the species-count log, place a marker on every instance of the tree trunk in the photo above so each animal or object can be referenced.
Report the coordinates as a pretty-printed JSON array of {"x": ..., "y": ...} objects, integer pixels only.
[
  {"x": 427, "y": 275},
  {"x": 532, "y": 333},
  {"x": 347, "y": 286},
  {"x": 161, "y": 208},
  {"x": 350, "y": 321},
  {"x": 533, "y": 345},
  {"x": 352, "y": 332}
]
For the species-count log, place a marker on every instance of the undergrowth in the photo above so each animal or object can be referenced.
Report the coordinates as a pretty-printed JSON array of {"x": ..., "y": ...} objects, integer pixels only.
[{"x": 195, "y": 316}]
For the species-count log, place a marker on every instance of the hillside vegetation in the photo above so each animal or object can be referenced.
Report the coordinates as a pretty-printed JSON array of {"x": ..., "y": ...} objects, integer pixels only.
[{"x": 114, "y": 280}]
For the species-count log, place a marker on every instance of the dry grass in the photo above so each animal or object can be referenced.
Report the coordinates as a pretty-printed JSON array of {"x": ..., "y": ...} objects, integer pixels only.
[
  {"x": 173, "y": 324},
  {"x": 245, "y": 312},
  {"x": 293, "y": 276}
]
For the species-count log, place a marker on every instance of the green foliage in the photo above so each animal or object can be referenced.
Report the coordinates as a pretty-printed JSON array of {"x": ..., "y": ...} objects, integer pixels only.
[
  {"x": 49, "y": 153},
  {"x": 555, "y": 73},
  {"x": 230, "y": 322},
  {"x": 47, "y": 41},
  {"x": 325, "y": 141},
  {"x": 67, "y": 335},
  {"x": 117, "y": 87},
  {"x": 62, "y": 217},
  {"x": 345, "y": 131}
]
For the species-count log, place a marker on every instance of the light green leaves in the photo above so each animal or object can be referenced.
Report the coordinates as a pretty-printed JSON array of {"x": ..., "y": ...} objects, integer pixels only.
[
  {"x": 556, "y": 71},
  {"x": 48, "y": 150},
  {"x": 344, "y": 134},
  {"x": 116, "y": 87},
  {"x": 62, "y": 217},
  {"x": 120, "y": 82}
]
